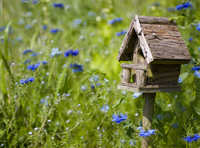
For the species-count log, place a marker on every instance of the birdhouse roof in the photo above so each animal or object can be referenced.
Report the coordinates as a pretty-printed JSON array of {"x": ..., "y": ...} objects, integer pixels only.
[{"x": 159, "y": 39}]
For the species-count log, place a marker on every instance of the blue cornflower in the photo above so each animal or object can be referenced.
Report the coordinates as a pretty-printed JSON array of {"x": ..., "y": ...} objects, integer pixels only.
[
  {"x": 27, "y": 61},
  {"x": 121, "y": 33},
  {"x": 136, "y": 95},
  {"x": 54, "y": 30},
  {"x": 184, "y": 6},
  {"x": 95, "y": 78},
  {"x": 55, "y": 51},
  {"x": 160, "y": 117},
  {"x": 119, "y": 118},
  {"x": 198, "y": 27},
  {"x": 42, "y": 101},
  {"x": 19, "y": 39},
  {"x": 59, "y": 5},
  {"x": 190, "y": 39},
  {"x": 114, "y": 21},
  {"x": 192, "y": 138},
  {"x": 33, "y": 67},
  {"x": 34, "y": 54},
  {"x": 35, "y": 1},
  {"x": 44, "y": 27},
  {"x": 97, "y": 85},
  {"x": 196, "y": 68},
  {"x": 76, "y": 67},
  {"x": 197, "y": 73},
  {"x": 175, "y": 125},
  {"x": 27, "y": 51},
  {"x": 105, "y": 108},
  {"x": 180, "y": 80},
  {"x": 44, "y": 62},
  {"x": 1, "y": 28},
  {"x": 147, "y": 133},
  {"x": 23, "y": 81},
  {"x": 71, "y": 52},
  {"x": 28, "y": 26}
]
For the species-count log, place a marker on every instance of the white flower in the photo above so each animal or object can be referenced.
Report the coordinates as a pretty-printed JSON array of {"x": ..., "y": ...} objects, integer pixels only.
[
  {"x": 30, "y": 133},
  {"x": 136, "y": 95}
]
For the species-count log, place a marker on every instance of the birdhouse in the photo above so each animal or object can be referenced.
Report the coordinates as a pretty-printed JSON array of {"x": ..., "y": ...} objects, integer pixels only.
[{"x": 155, "y": 49}]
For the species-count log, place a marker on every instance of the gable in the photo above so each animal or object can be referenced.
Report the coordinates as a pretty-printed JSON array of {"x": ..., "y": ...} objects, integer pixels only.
[{"x": 159, "y": 39}]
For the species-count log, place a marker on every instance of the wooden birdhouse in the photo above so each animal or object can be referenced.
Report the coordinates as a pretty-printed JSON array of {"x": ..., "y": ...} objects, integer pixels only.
[{"x": 156, "y": 51}]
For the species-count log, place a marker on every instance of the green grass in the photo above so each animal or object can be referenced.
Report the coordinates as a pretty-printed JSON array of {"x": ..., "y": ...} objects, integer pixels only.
[{"x": 53, "y": 110}]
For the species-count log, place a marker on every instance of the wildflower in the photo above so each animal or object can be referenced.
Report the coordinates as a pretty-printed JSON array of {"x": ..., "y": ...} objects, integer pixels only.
[
  {"x": 23, "y": 81},
  {"x": 184, "y": 6},
  {"x": 95, "y": 78},
  {"x": 34, "y": 54},
  {"x": 54, "y": 30},
  {"x": 196, "y": 68},
  {"x": 190, "y": 39},
  {"x": 169, "y": 105},
  {"x": 19, "y": 39},
  {"x": 23, "y": 1},
  {"x": 78, "y": 105},
  {"x": 136, "y": 95},
  {"x": 71, "y": 52},
  {"x": 189, "y": 139},
  {"x": 83, "y": 88},
  {"x": 136, "y": 114},
  {"x": 35, "y": 1},
  {"x": 180, "y": 80},
  {"x": 123, "y": 92},
  {"x": 76, "y": 67},
  {"x": 27, "y": 51},
  {"x": 76, "y": 22},
  {"x": 49, "y": 120},
  {"x": 196, "y": 73},
  {"x": 33, "y": 67},
  {"x": 106, "y": 80},
  {"x": 28, "y": 26},
  {"x": 159, "y": 117},
  {"x": 58, "y": 5},
  {"x": 175, "y": 125},
  {"x": 198, "y": 27},
  {"x": 121, "y": 33},
  {"x": 44, "y": 27},
  {"x": 97, "y": 85},
  {"x": 55, "y": 51},
  {"x": 36, "y": 128},
  {"x": 105, "y": 108},
  {"x": 119, "y": 118},
  {"x": 44, "y": 62},
  {"x": 147, "y": 133},
  {"x": 114, "y": 21},
  {"x": 30, "y": 133}
]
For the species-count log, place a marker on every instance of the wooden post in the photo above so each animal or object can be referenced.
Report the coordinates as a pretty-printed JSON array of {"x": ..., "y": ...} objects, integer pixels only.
[
  {"x": 148, "y": 111},
  {"x": 126, "y": 76}
]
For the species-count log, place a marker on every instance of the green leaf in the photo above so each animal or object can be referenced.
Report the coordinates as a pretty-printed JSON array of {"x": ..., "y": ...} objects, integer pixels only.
[
  {"x": 118, "y": 103},
  {"x": 1, "y": 133}
]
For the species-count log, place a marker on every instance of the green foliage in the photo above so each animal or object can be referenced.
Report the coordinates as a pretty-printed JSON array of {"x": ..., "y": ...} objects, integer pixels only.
[{"x": 60, "y": 108}]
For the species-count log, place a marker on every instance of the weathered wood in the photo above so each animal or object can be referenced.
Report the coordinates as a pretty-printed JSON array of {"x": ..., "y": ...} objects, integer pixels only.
[
  {"x": 127, "y": 47},
  {"x": 140, "y": 78},
  {"x": 170, "y": 61},
  {"x": 151, "y": 88},
  {"x": 148, "y": 112},
  {"x": 156, "y": 20},
  {"x": 129, "y": 84},
  {"x": 165, "y": 42},
  {"x": 143, "y": 43},
  {"x": 163, "y": 75},
  {"x": 126, "y": 75},
  {"x": 134, "y": 66}
]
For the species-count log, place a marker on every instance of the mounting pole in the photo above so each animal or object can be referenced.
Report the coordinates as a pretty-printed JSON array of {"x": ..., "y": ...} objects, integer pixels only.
[{"x": 148, "y": 111}]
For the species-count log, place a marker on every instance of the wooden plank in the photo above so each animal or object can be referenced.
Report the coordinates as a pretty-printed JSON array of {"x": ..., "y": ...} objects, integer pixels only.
[
  {"x": 134, "y": 66},
  {"x": 129, "y": 41},
  {"x": 126, "y": 75},
  {"x": 140, "y": 78},
  {"x": 151, "y": 88},
  {"x": 156, "y": 20},
  {"x": 170, "y": 61},
  {"x": 143, "y": 43}
]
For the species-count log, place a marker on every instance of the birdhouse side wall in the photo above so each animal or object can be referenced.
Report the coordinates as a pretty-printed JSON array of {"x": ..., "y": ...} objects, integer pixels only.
[{"x": 159, "y": 74}]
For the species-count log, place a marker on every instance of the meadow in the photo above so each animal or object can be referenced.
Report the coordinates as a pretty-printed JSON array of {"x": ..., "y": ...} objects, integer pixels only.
[{"x": 59, "y": 75}]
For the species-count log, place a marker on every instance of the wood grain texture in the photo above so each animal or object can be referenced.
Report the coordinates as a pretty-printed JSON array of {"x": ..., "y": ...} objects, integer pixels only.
[
  {"x": 147, "y": 118},
  {"x": 165, "y": 42},
  {"x": 140, "y": 78},
  {"x": 163, "y": 75},
  {"x": 127, "y": 47},
  {"x": 134, "y": 66},
  {"x": 143, "y": 43},
  {"x": 126, "y": 76},
  {"x": 151, "y": 88},
  {"x": 156, "y": 20}
]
